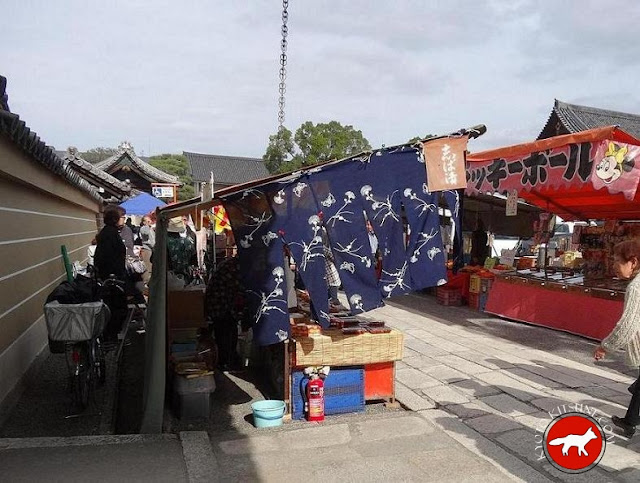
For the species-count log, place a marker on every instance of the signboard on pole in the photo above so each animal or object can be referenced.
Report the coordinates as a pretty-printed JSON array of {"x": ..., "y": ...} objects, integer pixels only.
[
  {"x": 512, "y": 203},
  {"x": 163, "y": 191}
]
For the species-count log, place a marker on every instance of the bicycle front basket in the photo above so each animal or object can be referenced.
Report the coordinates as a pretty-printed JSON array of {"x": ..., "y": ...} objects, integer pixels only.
[{"x": 75, "y": 322}]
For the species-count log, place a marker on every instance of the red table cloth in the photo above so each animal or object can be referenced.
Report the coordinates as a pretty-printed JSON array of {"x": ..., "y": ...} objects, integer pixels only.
[{"x": 583, "y": 315}]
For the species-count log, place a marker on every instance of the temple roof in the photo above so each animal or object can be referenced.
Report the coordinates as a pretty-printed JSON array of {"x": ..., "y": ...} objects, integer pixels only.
[
  {"x": 96, "y": 176},
  {"x": 125, "y": 149},
  {"x": 228, "y": 170},
  {"x": 568, "y": 118}
]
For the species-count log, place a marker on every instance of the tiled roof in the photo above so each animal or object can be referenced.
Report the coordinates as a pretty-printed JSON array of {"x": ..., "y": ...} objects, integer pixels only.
[
  {"x": 577, "y": 118},
  {"x": 228, "y": 170},
  {"x": 17, "y": 132},
  {"x": 4, "y": 97},
  {"x": 95, "y": 176},
  {"x": 125, "y": 149}
]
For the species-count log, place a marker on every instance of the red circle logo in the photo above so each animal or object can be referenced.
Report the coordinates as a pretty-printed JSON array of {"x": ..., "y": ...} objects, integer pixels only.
[{"x": 574, "y": 442}]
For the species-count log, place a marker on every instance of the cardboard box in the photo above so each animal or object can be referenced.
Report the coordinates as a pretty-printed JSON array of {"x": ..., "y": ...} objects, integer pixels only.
[{"x": 185, "y": 308}]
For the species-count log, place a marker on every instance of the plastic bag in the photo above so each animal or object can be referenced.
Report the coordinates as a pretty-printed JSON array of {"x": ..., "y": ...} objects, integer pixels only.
[
  {"x": 174, "y": 281},
  {"x": 135, "y": 266}
]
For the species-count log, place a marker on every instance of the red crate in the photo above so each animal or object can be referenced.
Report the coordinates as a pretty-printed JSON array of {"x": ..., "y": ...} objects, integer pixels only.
[
  {"x": 378, "y": 380},
  {"x": 477, "y": 301},
  {"x": 449, "y": 296}
]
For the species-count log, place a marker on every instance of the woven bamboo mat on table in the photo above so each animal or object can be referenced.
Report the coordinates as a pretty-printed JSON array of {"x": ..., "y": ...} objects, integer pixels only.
[{"x": 337, "y": 349}]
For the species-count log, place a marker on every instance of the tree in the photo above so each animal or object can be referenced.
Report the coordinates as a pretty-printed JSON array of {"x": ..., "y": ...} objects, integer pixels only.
[
  {"x": 279, "y": 149},
  {"x": 96, "y": 155},
  {"x": 177, "y": 165},
  {"x": 312, "y": 144}
]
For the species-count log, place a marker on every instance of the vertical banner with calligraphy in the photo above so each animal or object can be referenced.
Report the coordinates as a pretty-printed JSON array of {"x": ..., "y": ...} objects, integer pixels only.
[
  {"x": 512, "y": 203},
  {"x": 445, "y": 160}
]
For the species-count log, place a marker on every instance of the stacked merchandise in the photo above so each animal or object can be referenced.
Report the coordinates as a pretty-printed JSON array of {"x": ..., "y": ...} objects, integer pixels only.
[
  {"x": 596, "y": 244},
  {"x": 479, "y": 286},
  {"x": 192, "y": 360}
]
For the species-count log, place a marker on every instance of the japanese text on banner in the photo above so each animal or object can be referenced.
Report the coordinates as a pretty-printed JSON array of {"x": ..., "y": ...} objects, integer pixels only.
[{"x": 445, "y": 160}]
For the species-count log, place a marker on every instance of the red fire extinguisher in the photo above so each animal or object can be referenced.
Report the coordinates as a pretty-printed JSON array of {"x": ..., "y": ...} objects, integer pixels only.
[{"x": 315, "y": 399}]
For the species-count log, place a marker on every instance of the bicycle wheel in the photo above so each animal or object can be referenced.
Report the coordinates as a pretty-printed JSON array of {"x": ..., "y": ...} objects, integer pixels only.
[
  {"x": 81, "y": 375},
  {"x": 99, "y": 363}
]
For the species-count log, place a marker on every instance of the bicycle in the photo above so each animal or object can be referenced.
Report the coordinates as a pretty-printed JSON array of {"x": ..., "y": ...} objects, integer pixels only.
[{"x": 80, "y": 327}]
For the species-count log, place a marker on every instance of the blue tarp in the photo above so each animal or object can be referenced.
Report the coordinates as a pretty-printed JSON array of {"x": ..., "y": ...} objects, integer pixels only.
[{"x": 142, "y": 204}]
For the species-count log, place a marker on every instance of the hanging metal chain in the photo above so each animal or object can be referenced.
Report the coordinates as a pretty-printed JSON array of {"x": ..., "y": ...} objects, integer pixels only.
[{"x": 282, "y": 88}]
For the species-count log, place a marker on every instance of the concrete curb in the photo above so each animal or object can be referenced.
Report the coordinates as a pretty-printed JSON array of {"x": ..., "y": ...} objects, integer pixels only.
[
  {"x": 51, "y": 442},
  {"x": 198, "y": 456}
]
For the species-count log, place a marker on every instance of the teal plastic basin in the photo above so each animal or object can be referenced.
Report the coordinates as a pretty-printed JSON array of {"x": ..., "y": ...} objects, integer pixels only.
[{"x": 267, "y": 414}]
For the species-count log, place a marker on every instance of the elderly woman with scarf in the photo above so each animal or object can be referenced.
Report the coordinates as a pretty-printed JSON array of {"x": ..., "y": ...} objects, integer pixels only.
[{"x": 626, "y": 333}]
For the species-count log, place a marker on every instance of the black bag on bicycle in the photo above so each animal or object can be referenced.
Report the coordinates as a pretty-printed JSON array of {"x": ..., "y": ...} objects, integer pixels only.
[{"x": 82, "y": 289}]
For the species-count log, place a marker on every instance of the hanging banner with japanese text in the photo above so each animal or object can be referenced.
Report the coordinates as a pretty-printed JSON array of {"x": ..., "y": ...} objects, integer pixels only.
[
  {"x": 600, "y": 164},
  {"x": 445, "y": 160},
  {"x": 512, "y": 203}
]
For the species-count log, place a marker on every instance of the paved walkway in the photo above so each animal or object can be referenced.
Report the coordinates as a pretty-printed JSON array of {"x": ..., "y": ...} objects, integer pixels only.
[
  {"x": 394, "y": 446},
  {"x": 484, "y": 380},
  {"x": 101, "y": 458},
  {"x": 480, "y": 391}
]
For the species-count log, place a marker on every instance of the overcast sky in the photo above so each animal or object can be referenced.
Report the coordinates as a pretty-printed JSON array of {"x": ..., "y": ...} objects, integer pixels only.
[{"x": 203, "y": 75}]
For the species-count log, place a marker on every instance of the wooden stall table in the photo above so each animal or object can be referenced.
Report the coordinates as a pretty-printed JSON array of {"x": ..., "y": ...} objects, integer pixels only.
[{"x": 376, "y": 352}]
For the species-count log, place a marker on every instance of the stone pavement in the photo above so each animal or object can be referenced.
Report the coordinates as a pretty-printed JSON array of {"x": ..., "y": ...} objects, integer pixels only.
[
  {"x": 489, "y": 385},
  {"x": 95, "y": 458},
  {"x": 479, "y": 391},
  {"x": 395, "y": 446}
]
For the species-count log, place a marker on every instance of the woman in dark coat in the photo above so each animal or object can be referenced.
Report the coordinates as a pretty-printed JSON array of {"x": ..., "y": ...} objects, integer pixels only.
[
  {"x": 109, "y": 260},
  {"x": 110, "y": 250}
]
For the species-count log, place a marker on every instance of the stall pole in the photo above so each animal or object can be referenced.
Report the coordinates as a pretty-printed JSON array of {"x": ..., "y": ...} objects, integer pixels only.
[{"x": 287, "y": 380}]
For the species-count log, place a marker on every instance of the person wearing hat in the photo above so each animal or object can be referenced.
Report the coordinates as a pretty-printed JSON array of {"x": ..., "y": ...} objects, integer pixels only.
[{"x": 181, "y": 250}]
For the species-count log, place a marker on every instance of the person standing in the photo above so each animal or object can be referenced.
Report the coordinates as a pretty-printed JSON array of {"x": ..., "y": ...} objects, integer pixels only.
[
  {"x": 333, "y": 277},
  {"x": 626, "y": 333},
  {"x": 109, "y": 257},
  {"x": 148, "y": 239},
  {"x": 181, "y": 250},
  {"x": 479, "y": 244},
  {"x": 109, "y": 260},
  {"x": 225, "y": 305},
  {"x": 127, "y": 237},
  {"x": 375, "y": 249}
]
